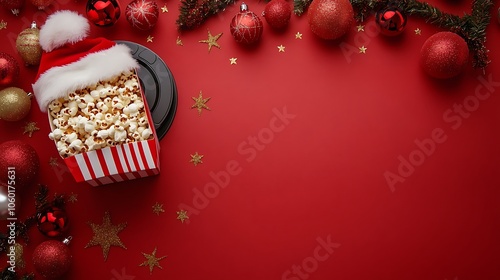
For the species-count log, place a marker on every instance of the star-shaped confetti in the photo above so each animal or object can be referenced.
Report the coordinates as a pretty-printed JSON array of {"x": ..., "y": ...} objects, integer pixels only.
[
  {"x": 212, "y": 41},
  {"x": 196, "y": 159},
  {"x": 418, "y": 31},
  {"x": 232, "y": 60},
  {"x": 158, "y": 208},
  {"x": 182, "y": 215},
  {"x": 360, "y": 28},
  {"x": 53, "y": 162},
  {"x": 298, "y": 35},
  {"x": 3, "y": 25},
  {"x": 362, "y": 49},
  {"x": 200, "y": 103},
  {"x": 29, "y": 128},
  {"x": 149, "y": 39},
  {"x": 106, "y": 235},
  {"x": 73, "y": 197},
  {"x": 178, "y": 41},
  {"x": 164, "y": 9},
  {"x": 281, "y": 48},
  {"x": 152, "y": 261}
]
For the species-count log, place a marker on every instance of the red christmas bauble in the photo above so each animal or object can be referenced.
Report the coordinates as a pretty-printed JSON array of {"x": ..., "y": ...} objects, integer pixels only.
[
  {"x": 9, "y": 69},
  {"x": 103, "y": 12},
  {"x": 142, "y": 14},
  {"x": 444, "y": 55},
  {"x": 246, "y": 27},
  {"x": 52, "y": 259},
  {"x": 21, "y": 160},
  {"x": 41, "y": 4},
  {"x": 52, "y": 221},
  {"x": 13, "y": 5},
  {"x": 330, "y": 19},
  {"x": 277, "y": 13},
  {"x": 392, "y": 21}
]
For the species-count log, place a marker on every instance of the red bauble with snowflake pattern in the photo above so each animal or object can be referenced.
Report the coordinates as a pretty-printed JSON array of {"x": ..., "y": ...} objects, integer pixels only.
[
  {"x": 142, "y": 14},
  {"x": 246, "y": 27}
]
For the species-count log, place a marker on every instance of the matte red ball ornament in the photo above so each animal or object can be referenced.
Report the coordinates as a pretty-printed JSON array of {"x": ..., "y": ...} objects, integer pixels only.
[
  {"x": 246, "y": 27},
  {"x": 444, "y": 55},
  {"x": 103, "y": 12},
  {"x": 52, "y": 221},
  {"x": 277, "y": 13},
  {"x": 13, "y": 5},
  {"x": 41, "y": 4},
  {"x": 330, "y": 19},
  {"x": 142, "y": 14},
  {"x": 392, "y": 21},
  {"x": 20, "y": 157},
  {"x": 52, "y": 258},
  {"x": 9, "y": 69}
]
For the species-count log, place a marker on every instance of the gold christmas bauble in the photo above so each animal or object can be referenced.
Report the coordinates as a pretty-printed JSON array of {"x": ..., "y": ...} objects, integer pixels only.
[
  {"x": 28, "y": 45},
  {"x": 15, "y": 104}
]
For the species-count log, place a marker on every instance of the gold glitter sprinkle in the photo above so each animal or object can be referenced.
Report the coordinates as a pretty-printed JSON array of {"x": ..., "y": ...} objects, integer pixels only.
[
  {"x": 212, "y": 41},
  {"x": 158, "y": 208},
  {"x": 152, "y": 261},
  {"x": 362, "y": 49},
  {"x": 200, "y": 103},
  {"x": 106, "y": 235},
  {"x": 30, "y": 128},
  {"x": 3, "y": 25},
  {"x": 298, "y": 35},
  {"x": 53, "y": 162},
  {"x": 19, "y": 255},
  {"x": 232, "y": 60},
  {"x": 73, "y": 197},
  {"x": 164, "y": 9},
  {"x": 281, "y": 48},
  {"x": 196, "y": 159},
  {"x": 360, "y": 28},
  {"x": 178, "y": 41},
  {"x": 418, "y": 31},
  {"x": 182, "y": 215},
  {"x": 149, "y": 39}
]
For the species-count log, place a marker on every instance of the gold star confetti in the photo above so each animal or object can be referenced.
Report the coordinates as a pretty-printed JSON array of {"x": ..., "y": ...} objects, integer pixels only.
[
  {"x": 362, "y": 49},
  {"x": 232, "y": 60},
  {"x": 182, "y": 215},
  {"x": 360, "y": 28},
  {"x": 152, "y": 261},
  {"x": 281, "y": 48},
  {"x": 3, "y": 25},
  {"x": 19, "y": 255},
  {"x": 196, "y": 159},
  {"x": 106, "y": 235},
  {"x": 29, "y": 128},
  {"x": 164, "y": 9},
  {"x": 178, "y": 41},
  {"x": 200, "y": 103},
  {"x": 158, "y": 208},
  {"x": 73, "y": 197},
  {"x": 212, "y": 41},
  {"x": 418, "y": 31},
  {"x": 298, "y": 35},
  {"x": 53, "y": 162},
  {"x": 150, "y": 39}
]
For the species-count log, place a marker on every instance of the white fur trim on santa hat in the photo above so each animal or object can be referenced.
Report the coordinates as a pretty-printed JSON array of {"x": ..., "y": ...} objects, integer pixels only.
[
  {"x": 63, "y": 27},
  {"x": 57, "y": 82}
]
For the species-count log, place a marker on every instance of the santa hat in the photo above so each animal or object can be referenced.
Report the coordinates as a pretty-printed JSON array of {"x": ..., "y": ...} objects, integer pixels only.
[{"x": 71, "y": 61}]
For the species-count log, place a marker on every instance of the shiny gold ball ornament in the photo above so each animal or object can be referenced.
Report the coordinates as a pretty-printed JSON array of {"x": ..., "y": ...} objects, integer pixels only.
[
  {"x": 28, "y": 45},
  {"x": 15, "y": 104}
]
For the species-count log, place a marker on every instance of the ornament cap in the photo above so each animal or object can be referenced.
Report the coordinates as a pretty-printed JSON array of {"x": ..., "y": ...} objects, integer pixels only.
[
  {"x": 243, "y": 7},
  {"x": 67, "y": 240},
  {"x": 33, "y": 25}
]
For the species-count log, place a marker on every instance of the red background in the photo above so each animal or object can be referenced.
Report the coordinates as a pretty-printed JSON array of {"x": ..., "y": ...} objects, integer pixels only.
[{"x": 321, "y": 176}]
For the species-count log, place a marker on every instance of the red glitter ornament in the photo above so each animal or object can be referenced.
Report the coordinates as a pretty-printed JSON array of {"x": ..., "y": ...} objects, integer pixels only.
[
  {"x": 52, "y": 258},
  {"x": 41, "y": 4},
  {"x": 13, "y": 5},
  {"x": 9, "y": 69},
  {"x": 20, "y": 157},
  {"x": 103, "y": 12},
  {"x": 444, "y": 55},
  {"x": 142, "y": 14},
  {"x": 330, "y": 19},
  {"x": 277, "y": 13},
  {"x": 392, "y": 21},
  {"x": 52, "y": 221},
  {"x": 246, "y": 27}
]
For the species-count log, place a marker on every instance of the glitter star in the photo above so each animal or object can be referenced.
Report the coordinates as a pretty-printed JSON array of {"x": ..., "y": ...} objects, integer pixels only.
[
  {"x": 212, "y": 41},
  {"x": 158, "y": 208},
  {"x": 53, "y": 162},
  {"x": 360, "y": 28},
  {"x": 3, "y": 25},
  {"x": 73, "y": 197},
  {"x": 29, "y": 128},
  {"x": 418, "y": 31},
  {"x": 182, "y": 215},
  {"x": 298, "y": 35},
  {"x": 281, "y": 48},
  {"x": 164, "y": 9},
  {"x": 149, "y": 39},
  {"x": 196, "y": 159},
  {"x": 178, "y": 41},
  {"x": 152, "y": 261},
  {"x": 200, "y": 103},
  {"x": 233, "y": 60},
  {"x": 19, "y": 255},
  {"x": 362, "y": 49},
  {"x": 106, "y": 235}
]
